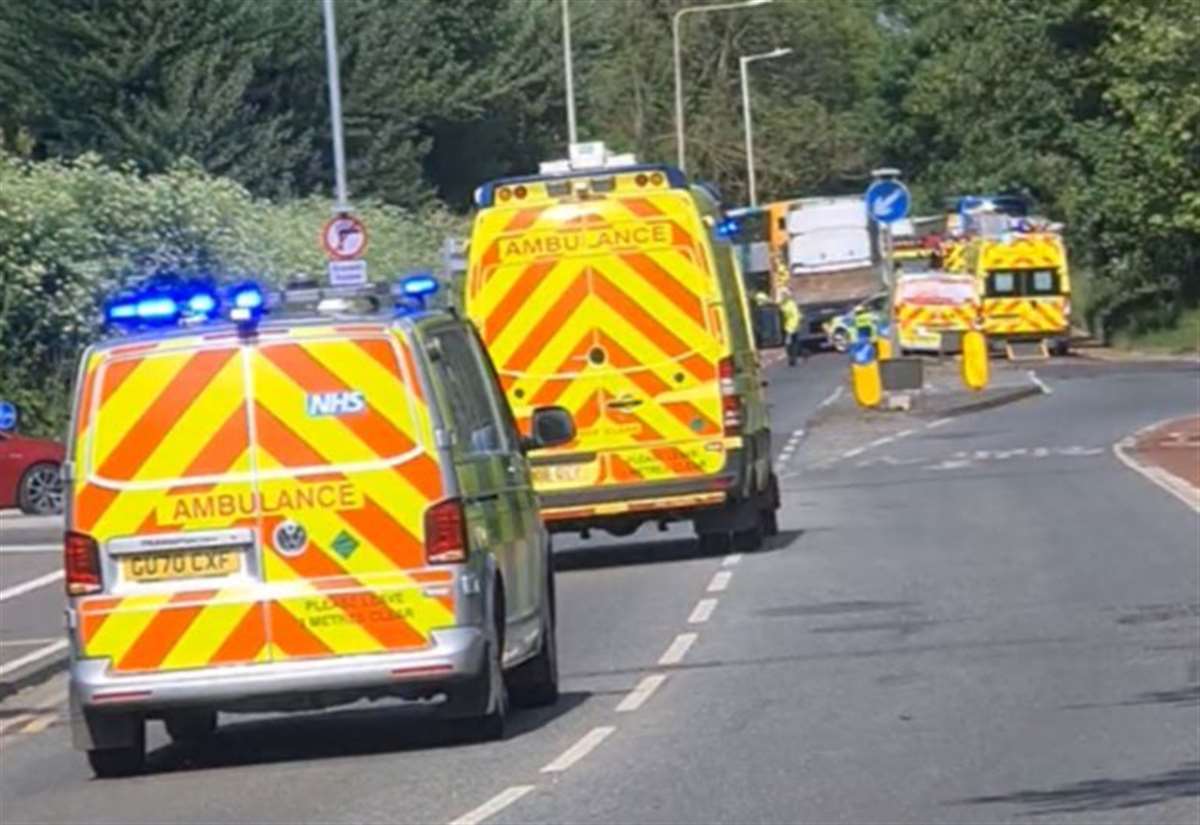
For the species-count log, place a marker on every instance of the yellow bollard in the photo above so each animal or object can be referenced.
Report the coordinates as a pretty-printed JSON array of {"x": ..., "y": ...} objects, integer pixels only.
[
  {"x": 885, "y": 348},
  {"x": 975, "y": 360},
  {"x": 864, "y": 374}
]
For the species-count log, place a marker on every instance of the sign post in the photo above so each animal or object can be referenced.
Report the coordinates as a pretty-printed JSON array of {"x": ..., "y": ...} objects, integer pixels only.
[
  {"x": 888, "y": 201},
  {"x": 344, "y": 239}
]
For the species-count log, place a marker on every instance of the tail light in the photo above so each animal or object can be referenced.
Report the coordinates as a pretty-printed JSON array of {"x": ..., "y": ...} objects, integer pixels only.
[
  {"x": 732, "y": 414},
  {"x": 445, "y": 533},
  {"x": 81, "y": 564}
]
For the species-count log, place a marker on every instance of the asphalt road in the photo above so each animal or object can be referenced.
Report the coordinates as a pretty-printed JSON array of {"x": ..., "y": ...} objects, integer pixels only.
[{"x": 983, "y": 619}]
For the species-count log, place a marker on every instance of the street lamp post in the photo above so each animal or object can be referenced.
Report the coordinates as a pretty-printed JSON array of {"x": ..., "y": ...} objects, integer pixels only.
[
  {"x": 342, "y": 204},
  {"x": 572, "y": 133},
  {"x": 745, "y": 62},
  {"x": 675, "y": 21}
]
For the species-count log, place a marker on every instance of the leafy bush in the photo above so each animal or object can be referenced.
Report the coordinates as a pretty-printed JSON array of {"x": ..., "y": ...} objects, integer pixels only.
[{"x": 73, "y": 232}]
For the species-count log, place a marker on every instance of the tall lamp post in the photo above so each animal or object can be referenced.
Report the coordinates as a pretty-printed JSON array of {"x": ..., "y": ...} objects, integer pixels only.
[
  {"x": 572, "y": 132},
  {"x": 675, "y": 22},
  {"x": 745, "y": 61}
]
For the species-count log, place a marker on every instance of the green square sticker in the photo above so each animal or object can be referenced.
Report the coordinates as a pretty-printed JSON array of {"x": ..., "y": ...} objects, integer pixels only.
[{"x": 344, "y": 544}]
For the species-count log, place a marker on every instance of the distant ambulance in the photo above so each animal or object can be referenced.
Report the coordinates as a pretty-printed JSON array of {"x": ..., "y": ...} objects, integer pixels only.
[{"x": 930, "y": 306}]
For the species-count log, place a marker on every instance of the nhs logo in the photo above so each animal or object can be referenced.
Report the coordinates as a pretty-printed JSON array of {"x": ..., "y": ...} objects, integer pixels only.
[{"x": 348, "y": 402}]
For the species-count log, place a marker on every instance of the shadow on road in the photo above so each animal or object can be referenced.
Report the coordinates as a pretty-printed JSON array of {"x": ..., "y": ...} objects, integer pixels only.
[
  {"x": 1102, "y": 794},
  {"x": 301, "y": 737},
  {"x": 650, "y": 552}
]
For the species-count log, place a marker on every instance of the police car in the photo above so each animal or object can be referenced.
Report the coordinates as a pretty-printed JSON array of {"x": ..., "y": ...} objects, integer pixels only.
[{"x": 294, "y": 501}]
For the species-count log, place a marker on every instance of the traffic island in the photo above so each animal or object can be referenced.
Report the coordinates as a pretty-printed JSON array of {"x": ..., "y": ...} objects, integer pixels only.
[
  {"x": 842, "y": 428},
  {"x": 1167, "y": 454}
]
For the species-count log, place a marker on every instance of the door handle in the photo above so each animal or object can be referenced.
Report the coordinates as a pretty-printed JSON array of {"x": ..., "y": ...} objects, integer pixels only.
[{"x": 625, "y": 403}]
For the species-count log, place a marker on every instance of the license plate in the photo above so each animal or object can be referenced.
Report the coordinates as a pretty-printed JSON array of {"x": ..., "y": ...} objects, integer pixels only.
[
  {"x": 203, "y": 563},
  {"x": 559, "y": 473}
]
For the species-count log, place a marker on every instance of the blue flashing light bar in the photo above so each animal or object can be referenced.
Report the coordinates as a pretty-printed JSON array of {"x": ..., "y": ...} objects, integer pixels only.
[{"x": 157, "y": 305}]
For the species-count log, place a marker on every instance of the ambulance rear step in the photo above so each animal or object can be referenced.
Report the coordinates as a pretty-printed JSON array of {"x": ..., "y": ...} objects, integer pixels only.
[{"x": 1027, "y": 350}]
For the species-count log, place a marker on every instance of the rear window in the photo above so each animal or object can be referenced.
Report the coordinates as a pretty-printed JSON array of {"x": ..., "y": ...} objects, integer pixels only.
[
  {"x": 1027, "y": 282},
  {"x": 184, "y": 415}
]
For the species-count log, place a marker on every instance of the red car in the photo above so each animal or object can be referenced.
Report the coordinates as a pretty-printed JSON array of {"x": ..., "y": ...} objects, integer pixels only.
[{"x": 29, "y": 474}]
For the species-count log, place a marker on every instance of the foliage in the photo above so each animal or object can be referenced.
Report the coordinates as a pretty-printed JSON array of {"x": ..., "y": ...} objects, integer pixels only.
[{"x": 72, "y": 233}]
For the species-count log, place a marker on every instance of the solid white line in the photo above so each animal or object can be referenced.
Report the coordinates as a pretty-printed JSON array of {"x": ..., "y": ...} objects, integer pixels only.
[
  {"x": 854, "y": 452},
  {"x": 33, "y": 656},
  {"x": 720, "y": 581},
  {"x": 941, "y": 422},
  {"x": 731, "y": 560},
  {"x": 638, "y": 696},
  {"x": 678, "y": 649},
  {"x": 703, "y": 611},
  {"x": 28, "y": 642},
  {"x": 833, "y": 396},
  {"x": 31, "y": 548},
  {"x": 493, "y": 806},
  {"x": 1174, "y": 485},
  {"x": 1041, "y": 385},
  {"x": 32, "y": 584},
  {"x": 879, "y": 442},
  {"x": 904, "y": 434},
  {"x": 580, "y": 749}
]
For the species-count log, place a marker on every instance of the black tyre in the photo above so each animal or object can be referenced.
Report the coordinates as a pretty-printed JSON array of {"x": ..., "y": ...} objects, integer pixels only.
[
  {"x": 534, "y": 683},
  {"x": 492, "y": 724},
  {"x": 770, "y": 511},
  {"x": 190, "y": 725},
  {"x": 748, "y": 541},
  {"x": 715, "y": 543},
  {"x": 40, "y": 492},
  {"x": 112, "y": 763}
]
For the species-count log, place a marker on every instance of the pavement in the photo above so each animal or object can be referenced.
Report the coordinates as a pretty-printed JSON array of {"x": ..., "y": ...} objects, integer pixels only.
[{"x": 983, "y": 618}]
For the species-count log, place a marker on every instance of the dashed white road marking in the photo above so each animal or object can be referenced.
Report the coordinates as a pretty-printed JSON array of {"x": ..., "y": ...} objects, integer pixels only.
[
  {"x": 33, "y": 656},
  {"x": 1041, "y": 385},
  {"x": 720, "y": 581},
  {"x": 678, "y": 649},
  {"x": 644, "y": 690},
  {"x": 731, "y": 560},
  {"x": 833, "y": 396},
  {"x": 703, "y": 611},
  {"x": 590, "y": 741},
  {"x": 941, "y": 422},
  {"x": 493, "y": 806},
  {"x": 33, "y": 584},
  {"x": 879, "y": 442},
  {"x": 904, "y": 434},
  {"x": 854, "y": 452}
]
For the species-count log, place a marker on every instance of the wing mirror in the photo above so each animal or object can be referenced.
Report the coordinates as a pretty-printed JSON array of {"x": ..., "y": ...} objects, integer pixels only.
[
  {"x": 550, "y": 427},
  {"x": 768, "y": 326}
]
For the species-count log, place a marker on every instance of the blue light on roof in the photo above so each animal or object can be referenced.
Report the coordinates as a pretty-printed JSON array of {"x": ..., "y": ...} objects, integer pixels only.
[
  {"x": 419, "y": 285},
  {"x": 125, "y": 311},
  {"x": 202, "y": 303},
  {"x": 248, "y": 297},
  {"x": 160, "y": 308}
]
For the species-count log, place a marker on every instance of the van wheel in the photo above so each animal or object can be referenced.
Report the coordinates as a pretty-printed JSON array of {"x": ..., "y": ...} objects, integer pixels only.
[
  {"x": 770, "y": 512},
  {"x": 128, "y": 760},
  {"x": 716, "y": 543},
  {"x": 840, "y": 340},
  {"x": 534, "y": 683},
  {"x": 190, "y": 725},
  {"x": 495, "y": 715},
  {"x": 748, "y": 541}
]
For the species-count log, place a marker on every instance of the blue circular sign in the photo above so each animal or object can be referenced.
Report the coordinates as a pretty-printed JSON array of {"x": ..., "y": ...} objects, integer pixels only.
[
  {"x": 887, "y": 200},
  {"x": 8, "y": 415}
]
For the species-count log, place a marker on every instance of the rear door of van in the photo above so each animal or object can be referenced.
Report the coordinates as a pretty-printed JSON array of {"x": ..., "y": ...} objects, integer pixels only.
[
  {"x": 608, "y": 306},
  {"x": 256, "y": 502}
]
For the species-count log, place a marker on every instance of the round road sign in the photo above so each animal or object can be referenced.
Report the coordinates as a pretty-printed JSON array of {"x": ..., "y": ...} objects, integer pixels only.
[{"x": 344, "y": 238}]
